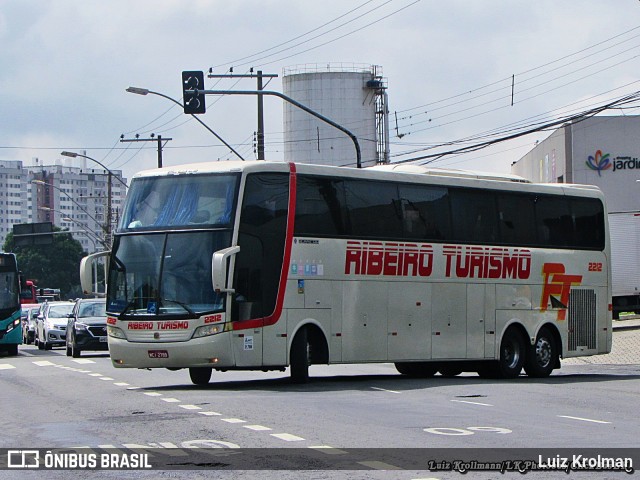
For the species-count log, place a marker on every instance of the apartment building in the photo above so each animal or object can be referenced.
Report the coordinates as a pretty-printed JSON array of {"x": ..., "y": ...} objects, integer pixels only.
[{"x": 75, "y": 198}]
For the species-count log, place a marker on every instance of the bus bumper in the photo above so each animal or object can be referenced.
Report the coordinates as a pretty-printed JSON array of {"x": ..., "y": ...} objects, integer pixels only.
[{"x": 211, "y": 351}]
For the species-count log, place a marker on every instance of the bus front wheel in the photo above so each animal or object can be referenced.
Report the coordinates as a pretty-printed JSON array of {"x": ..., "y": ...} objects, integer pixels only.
[
  {"x": 200, "y": 375},
  {"x": 512, "y": 354},
  {"x": 542, "y": 356},
  {"x": 300, "y": 357}
]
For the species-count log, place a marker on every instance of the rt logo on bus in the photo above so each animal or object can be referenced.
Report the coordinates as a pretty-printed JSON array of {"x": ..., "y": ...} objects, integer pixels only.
[{"x": 556, "y": 288}]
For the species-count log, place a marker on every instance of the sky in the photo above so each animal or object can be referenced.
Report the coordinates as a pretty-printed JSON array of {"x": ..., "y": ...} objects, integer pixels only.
[{"x": 458, "y": 72}]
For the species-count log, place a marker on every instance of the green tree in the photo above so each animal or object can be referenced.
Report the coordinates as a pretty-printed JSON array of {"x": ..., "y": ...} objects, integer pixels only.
[{"x": 53, "y": 266}]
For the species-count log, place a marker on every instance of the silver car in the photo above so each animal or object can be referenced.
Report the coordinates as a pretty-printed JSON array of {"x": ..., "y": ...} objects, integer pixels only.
[
  {"x": 51, "y": 324},
  {"x": 29, "y": 314}
]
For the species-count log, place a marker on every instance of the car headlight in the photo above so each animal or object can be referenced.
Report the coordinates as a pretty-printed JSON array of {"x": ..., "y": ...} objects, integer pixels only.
[
  {"x": 207, "y": 330},
  {"x": 115, "y": 332},
  {"x": 81, "y": 327}
]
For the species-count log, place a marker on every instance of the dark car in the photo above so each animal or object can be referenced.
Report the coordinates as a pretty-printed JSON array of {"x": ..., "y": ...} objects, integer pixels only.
[{"x": 87, "y": 326}]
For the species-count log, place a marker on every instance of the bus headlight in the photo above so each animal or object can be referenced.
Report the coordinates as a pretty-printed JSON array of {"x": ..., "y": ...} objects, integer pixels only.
[
  {"x": 207, "y": 330},
  {"x": 115, "y": 332},
  {"x": 13, "y": 325}
]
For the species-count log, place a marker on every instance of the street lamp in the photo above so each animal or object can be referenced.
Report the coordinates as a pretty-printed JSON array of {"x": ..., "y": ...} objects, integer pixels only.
[
  {"x": 40, "y": 182},
  {"x": 145, "y": 91},
  {"x": 74, "y": 155},
  {"x": 110, "y": 176}
]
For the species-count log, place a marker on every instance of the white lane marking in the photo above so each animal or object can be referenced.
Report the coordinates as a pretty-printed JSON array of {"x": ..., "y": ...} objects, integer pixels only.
[
  {"x": 170, "y": 400},
  {"x": 384, "y": 390},
  {"x": 106, "y": 378},
  {"x": 95, "y": 374},
  {"x": 257, "y": 428},
  {"x": 153, "y": 394},
  {"x": 27, "y": 354},
  {"x": 44, "y": 363},
  {"x": 209, "y": 414},
  {"x": 190, "y": 407},
  {"x": 83, "y": 360},
  {"x": 583, "y": 419},
  {"x": 328, "y": 450},
  {"x": 134, "y": 388},
  {"x": 233, "y": 420},
  {"x": 376, "y": 465},
  {"x": 287, "y": 437},
  {"x": 6, "y": 366},
  {"x": 121, "y": 384},
  {"x": 473, "y": 403}
]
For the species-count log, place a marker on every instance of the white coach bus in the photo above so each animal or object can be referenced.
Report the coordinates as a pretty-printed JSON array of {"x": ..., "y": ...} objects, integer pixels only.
[{"x": 264, "y": 265}]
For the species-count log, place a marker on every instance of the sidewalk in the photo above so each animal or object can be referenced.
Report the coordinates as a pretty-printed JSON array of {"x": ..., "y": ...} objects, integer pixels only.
[
  {"x": 625, "y": 349},
  {"x": 627, "y": 322}
]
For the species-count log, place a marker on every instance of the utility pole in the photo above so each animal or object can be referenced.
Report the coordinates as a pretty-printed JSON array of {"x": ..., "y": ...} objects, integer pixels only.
[
  {"x": 259, "y": 76},
  {"x": 108, "y": 231},
  {"x": 152, "y": 138}
]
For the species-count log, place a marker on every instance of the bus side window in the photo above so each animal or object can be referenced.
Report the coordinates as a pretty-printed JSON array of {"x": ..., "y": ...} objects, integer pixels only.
[
  {"x": 426, "y": 212},
  {"x": 517, "y": 219},
  {"x": 320, "y": 206},
  {"x": 373, "y": 209},
  {"x": 474, "y": 216}
]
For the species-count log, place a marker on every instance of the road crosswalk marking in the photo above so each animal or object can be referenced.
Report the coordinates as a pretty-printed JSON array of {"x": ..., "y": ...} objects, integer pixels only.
[{"x": 6, "y": 366}]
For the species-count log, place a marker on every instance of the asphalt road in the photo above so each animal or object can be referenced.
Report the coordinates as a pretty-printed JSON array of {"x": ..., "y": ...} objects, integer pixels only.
[{"x": 61, "y": 402}]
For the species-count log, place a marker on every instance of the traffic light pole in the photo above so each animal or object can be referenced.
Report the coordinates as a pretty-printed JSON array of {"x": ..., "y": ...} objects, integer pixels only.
[{"x": 297, "y": 104}]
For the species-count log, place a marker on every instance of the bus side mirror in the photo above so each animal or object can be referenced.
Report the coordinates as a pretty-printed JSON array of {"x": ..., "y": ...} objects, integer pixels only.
[
  {"x": 87, "y": 265},
  {"x": 219, "y": 268}
]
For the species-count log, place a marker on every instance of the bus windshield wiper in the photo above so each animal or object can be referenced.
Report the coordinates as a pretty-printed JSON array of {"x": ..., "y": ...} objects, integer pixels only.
[{"x": 183, "y": 305}]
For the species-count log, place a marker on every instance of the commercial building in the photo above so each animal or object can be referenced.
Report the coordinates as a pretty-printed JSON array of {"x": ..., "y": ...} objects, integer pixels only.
[
  {"x": 76, "y": 198},
  {"x": 602, "y": 151}
]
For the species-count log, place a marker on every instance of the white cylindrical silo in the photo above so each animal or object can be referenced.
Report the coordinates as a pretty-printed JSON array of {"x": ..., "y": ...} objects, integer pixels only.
[{"x": 345, "y": 95}]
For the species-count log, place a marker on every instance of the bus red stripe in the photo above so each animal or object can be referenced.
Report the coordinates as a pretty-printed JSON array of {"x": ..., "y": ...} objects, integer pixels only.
[{"x": 275, "y": 316}]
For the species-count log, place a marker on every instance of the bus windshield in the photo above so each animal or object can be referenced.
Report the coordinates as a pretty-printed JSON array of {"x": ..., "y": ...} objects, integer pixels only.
[
  {"x": 161, "y": 257},
  {"x": 167, "y": 273},
  {"x": 9, "y": 295},
  {"x": 188, "y": 201}
]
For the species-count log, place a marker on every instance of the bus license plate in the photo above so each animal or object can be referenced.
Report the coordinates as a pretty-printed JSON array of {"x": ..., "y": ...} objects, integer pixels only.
[{"x": 158, "y": 354}]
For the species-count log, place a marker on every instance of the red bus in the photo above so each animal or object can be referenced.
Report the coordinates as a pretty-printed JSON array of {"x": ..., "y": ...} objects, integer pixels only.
[{"x": 28, "y": 293}]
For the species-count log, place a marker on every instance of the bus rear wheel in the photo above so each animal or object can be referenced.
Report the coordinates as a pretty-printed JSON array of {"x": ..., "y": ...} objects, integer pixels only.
[
  {"x": 200, "y": 375},
  {"x": 542, "y": 356},
  {"x": 512, "y": 354},
  {"x": 300, "y": 357}
]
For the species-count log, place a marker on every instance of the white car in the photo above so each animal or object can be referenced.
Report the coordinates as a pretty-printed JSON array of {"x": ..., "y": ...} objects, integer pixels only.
[{"x": 51, "y": 324}]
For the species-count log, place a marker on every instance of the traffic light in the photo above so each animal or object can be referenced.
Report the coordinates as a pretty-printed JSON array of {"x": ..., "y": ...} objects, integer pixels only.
[{"x": 192, "y": 85}]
